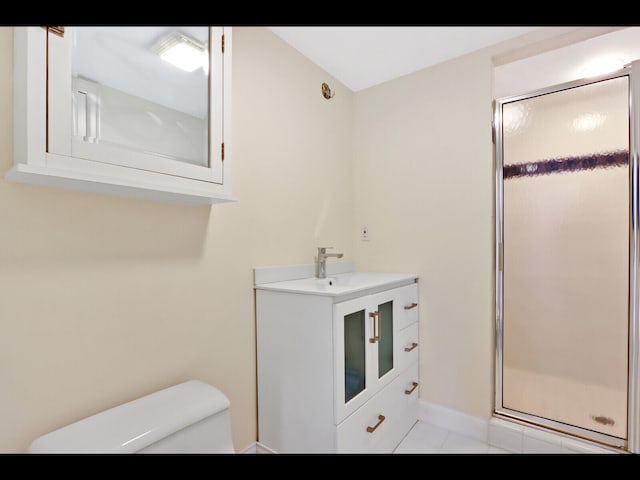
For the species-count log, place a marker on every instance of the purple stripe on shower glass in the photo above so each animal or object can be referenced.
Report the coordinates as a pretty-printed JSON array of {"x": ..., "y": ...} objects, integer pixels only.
[{"x": 618, "y": 158}]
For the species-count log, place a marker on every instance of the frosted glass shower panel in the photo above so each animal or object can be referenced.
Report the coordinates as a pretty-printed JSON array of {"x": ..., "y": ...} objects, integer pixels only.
[
  {"x": 566, "y": 256},
  {"x": 143, "y": 89}
]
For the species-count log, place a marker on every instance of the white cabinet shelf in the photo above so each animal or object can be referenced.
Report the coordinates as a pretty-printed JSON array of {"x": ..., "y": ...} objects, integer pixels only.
[{"x": 337, "y": 374}]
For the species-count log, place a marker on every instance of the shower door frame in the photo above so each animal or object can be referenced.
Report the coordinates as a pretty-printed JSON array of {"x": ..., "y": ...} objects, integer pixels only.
[{"x": 632, "y": 443}]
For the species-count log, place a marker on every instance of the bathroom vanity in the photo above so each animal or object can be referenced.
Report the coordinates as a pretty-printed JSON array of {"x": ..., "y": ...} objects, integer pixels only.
[{"x": 337, "y": 359}]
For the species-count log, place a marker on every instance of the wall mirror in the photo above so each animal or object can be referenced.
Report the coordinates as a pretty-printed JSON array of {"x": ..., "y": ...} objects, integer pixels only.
[{"x": 143, "y": 88}]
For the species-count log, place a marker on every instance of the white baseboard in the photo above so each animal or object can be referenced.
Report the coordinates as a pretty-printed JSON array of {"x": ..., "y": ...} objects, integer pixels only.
[
  {"x": 454, "y": 420},
  {"x": 257, "y": 447}
]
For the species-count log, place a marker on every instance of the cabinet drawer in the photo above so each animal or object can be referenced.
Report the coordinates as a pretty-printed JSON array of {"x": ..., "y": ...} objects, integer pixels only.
[
  {"x": 407, "y": 403},
  {"x": 408, "y": 298},
  {"x": 408, "y": 346},
  {"x": 381, "y": 423},
  {"x": 409, "y": 399}
]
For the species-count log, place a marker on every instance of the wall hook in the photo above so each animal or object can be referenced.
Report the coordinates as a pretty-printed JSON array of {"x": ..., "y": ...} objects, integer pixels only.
[{"x": 326, "y": 92}]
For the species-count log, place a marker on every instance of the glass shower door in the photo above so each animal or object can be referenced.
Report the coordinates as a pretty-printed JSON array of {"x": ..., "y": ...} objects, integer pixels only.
[{"x": 563, "y": 259}]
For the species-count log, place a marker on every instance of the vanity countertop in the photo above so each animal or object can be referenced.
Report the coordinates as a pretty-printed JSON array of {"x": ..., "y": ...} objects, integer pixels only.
[{"x": 341, "y": 284}]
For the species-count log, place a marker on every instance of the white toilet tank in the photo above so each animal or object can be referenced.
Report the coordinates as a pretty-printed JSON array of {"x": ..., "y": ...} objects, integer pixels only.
[{"x": 192, "y": 417}]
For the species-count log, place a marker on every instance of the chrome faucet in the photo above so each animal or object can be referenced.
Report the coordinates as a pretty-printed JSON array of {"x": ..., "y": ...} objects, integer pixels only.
[{"x": 321, "y": 266}]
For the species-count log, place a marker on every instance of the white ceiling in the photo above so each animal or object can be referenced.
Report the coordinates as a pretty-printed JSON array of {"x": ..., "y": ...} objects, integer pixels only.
[{"x": 361, "y": 57}]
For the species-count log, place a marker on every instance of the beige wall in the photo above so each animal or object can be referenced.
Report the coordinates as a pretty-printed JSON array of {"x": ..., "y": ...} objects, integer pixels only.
[
  {"x": 105, "y": 299},
  {"x": 423, "y": 184}
]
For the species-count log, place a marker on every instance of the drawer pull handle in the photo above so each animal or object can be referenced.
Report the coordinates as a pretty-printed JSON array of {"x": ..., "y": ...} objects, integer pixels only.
[
  {"x": 413, "y": 387},
  {"x": 413, "y": 345},
  {"x": 380, "y": 420},
  {"x": 409, "y": 307}
]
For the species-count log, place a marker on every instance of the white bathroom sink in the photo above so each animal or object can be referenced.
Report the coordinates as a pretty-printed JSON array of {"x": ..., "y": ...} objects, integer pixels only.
[
  {"x": 340, "y": 284},
  {"x": 353, "y": 279}
]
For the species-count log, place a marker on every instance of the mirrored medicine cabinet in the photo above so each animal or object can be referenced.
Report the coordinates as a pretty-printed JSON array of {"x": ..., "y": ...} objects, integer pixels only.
[{"x": 135, "y": 111}]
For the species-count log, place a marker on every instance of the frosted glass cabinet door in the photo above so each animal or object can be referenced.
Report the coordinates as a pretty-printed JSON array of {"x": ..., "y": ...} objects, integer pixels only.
[
  {"x": 355, "y": 364},
  {"x": 365, "y": 348},
  {"x": 386, "y": 309},
  {"x": 385, "y": 338},
  {"x": 352, "y": 333}
]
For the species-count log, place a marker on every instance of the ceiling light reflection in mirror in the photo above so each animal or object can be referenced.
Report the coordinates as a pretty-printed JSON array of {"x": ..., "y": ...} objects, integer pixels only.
[{"x": 183, "y": 52}]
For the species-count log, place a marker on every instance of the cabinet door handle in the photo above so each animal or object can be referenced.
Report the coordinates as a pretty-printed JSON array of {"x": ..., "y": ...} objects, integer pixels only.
[
  {"x": 380, "y": 420},
  {"x": 376, "y": 326},
  {"x": 409, "y": 307},
  {"x": 409, "y": 391},
  {"x": 413, "y": 345}
]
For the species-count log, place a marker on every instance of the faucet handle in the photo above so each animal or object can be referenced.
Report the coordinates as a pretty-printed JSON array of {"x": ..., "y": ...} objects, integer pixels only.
[{"x": 323, "y": 249}]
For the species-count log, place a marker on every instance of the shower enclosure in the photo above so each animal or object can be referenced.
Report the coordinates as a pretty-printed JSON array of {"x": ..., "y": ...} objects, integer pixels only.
[{"x": 567, "y": 253}]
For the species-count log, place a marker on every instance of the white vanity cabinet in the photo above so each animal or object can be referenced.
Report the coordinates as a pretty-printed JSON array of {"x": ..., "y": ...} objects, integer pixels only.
[
  {"x": 115, "y": 110},
  {"x": 337, "y": 370}
]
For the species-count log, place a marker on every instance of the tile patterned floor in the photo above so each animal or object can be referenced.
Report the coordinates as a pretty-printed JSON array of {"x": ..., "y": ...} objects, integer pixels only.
[{"x": 426, "y": 438}]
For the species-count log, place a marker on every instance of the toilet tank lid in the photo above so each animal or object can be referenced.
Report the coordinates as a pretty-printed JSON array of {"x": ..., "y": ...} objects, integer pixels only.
[{"x": 135, "y": 425}]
